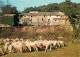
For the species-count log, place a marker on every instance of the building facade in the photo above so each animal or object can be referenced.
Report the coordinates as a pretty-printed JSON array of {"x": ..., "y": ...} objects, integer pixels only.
[{"x": 44, "y": 18}]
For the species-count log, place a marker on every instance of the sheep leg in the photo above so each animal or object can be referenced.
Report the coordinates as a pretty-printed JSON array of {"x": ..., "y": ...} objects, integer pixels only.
[
  {"x": 46, "y": 47},
  {"x": 50, "y": 47},
  {"x": 62, "y": 45},
  {"x": 21, "y": 50},
  {"x": 29, "y": 48},
  {"x": 36, "y": 49}
]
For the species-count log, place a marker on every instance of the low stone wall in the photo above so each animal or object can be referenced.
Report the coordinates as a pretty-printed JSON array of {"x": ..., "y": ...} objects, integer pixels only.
[
  {"x": 44, "y": 28},
  {"x": 39, "y": 29}
]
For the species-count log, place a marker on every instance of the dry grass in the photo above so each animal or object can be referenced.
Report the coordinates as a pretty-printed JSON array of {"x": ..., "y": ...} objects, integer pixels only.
[{"x": 71, "y": 50}]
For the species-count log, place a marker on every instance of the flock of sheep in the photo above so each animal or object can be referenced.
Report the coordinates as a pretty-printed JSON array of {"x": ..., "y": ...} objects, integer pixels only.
[{"x": 20, "y": 45}]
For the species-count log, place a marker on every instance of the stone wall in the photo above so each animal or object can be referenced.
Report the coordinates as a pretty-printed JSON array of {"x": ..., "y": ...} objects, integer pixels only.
[{"x": 43, "y": 29}]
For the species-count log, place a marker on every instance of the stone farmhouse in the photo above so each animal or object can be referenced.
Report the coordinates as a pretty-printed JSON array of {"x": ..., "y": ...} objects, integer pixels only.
[{"x": 44, "y": 18}]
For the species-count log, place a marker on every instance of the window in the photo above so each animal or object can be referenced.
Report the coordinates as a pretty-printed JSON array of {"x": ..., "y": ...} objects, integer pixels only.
[
  {"x": 31, "y": 16},
  {"x": 44, "y": 15},
  {"x": 61, "y": 16},
  {"x": 31, "y": 19},
  {"x": 57, "y": 15},
  {"x": 42, "y": 19},
  {"x": 56, "y": 20},
  {"x": 24, "y": 15}
]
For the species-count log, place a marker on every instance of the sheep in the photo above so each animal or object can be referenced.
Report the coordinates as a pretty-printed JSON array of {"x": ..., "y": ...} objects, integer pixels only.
[
  {"x": 10, "y": 47},
  {"x": 38, "y": 43},
  {"x": 30, "y": 44},
  {"x": 4, "y": 40},
  {"x": 54, "y": 42},
  {"x": 24, "y": 48},
  {"x": 47, "y": 44},
  {"x": 19, "y": 46},
  {"x": 6, "y": 46},
  {"x": 1, "y": 40},
  {"x": 21, "y": 39},
  {"x": 13, "y": 40},
  {"x": 17, "y": 39},
  {"x": 61, "y": 43},
  {"x": 7, "y": 39},
  {"x": 7, "y": 43},
  {"x": 34, "y": 46},
  {"x": 1, "y": 52}
]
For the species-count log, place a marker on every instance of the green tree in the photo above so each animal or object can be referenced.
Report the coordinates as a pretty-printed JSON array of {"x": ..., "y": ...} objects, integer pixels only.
[
  {"x": 7, "y": 21},
  {"x": 8, "y": 9},
  {"x": 69, "y": 9}
]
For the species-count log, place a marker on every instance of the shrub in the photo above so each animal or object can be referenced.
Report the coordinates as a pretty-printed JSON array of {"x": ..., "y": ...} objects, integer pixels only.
[{"x": 7, "y": 21}]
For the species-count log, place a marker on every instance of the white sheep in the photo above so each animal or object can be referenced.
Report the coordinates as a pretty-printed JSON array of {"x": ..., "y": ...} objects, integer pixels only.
[
  {"x": 30, "y": 44},
  {"x": 6, "y": 46},
  {"x": 1, "y": 51},
  {"x": 10, "y": 47},
  {"x": 47, "y": 44},
  {"x": 38, "y": 43},
  {"x": 54, "y": 42},
  {"x": 61, "y": 43}
]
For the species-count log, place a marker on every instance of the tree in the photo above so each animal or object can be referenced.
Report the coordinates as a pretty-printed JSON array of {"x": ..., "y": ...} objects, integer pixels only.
[
  {"x": 1, "y": 5},
  {"x": 8, "y": 9},
  {"x": 69, "y": 9},
  {"x": 45, "y": 8}
]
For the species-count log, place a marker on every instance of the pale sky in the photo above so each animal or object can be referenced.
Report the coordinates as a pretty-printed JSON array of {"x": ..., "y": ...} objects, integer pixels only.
[{"x": 22, "y": 4}]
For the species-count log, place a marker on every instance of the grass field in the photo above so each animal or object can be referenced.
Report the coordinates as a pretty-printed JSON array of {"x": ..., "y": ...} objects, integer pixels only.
[{"x": 71, "y": 50}]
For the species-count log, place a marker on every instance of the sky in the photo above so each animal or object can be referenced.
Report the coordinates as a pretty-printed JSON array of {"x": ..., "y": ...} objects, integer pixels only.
[{"x": 22, "y": 4}]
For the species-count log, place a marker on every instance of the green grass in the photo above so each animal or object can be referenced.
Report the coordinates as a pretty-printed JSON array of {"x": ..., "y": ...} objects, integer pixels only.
[{"x": 71, "y": 50}]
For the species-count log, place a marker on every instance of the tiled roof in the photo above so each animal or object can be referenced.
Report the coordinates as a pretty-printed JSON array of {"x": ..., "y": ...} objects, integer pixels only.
[
  {"x": 41, "y": 14},
  {"x": 60, "y": 19}
]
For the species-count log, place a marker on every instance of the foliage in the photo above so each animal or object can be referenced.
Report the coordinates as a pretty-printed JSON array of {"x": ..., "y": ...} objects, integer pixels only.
[
  {"x": 8, "y": 9},
  {"x": 45, "y": 8},
  {"x": 7, "y": 21}
]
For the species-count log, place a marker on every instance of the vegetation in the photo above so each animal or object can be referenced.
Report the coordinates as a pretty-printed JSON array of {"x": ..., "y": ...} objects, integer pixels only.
[
  {"x": 30, "y": 33},
  {"x": 7, "y": 21},
  {"x": 8, "y": 9}
]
